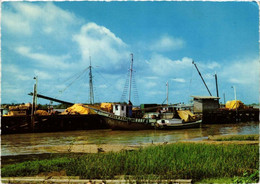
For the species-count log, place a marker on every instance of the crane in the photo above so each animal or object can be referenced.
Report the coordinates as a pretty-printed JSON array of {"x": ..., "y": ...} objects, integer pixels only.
[{"x": 201, "y": 77}]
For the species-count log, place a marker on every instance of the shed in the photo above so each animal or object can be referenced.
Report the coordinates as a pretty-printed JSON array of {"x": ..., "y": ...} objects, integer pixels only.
[{"x": 205, "y": 103}]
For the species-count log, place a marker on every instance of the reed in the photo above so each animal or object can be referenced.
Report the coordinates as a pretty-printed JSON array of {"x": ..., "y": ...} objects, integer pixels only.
[
  {"x": 174, "y": 161},
  {"x": 235, "y": 138}
]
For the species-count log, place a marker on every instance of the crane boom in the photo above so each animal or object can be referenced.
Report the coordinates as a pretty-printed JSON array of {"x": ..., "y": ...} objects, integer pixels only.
[
  {"x": 201, "y": 77},
  {"x": 52, "y": 99}
]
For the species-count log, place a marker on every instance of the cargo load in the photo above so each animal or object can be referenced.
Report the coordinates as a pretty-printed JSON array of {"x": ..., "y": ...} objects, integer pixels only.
[
  {"x": 19, "y": 110},
  {"x": 235, "y": 104},
  {"x": 107, "y": 107},
  {"x": 79, "y": 109},
  {"x": 41, "y": 113},
  {"x": 186, "y": 115}
]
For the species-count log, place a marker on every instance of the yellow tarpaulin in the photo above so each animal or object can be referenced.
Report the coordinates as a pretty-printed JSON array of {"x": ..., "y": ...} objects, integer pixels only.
[
  {"x": 235, "y": 104},
  {"x": 41, "y": 112},
  {"x": 107, "y": 107},
  {"x": 79, "y": 109},
  {"x": 186, "y": 115}
]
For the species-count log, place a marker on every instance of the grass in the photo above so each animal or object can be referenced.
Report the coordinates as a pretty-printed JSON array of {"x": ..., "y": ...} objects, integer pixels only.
[
  {"x": 175, "y": 161},
  {"x": 235, "y": 138},
  {"x": 216, "y": 180}
]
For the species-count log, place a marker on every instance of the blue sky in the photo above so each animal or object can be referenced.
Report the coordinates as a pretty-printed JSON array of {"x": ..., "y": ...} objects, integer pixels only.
[{"x": 53, "y": 40}]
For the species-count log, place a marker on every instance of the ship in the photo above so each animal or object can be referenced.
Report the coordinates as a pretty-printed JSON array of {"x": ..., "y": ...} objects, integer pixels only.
[{"x": 122, "y": 117}]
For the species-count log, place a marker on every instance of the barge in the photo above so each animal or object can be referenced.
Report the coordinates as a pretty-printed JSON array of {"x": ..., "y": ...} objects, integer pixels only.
[{"x": 50, "y": 123}]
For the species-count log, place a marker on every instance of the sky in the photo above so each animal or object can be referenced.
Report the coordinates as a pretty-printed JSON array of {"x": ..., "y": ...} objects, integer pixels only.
[{"x": 56, "y": 41}]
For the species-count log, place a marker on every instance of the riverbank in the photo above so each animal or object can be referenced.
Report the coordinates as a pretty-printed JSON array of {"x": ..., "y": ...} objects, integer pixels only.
[
  {"x": 81, "y": 149},
  {"x": 186, "y": 160},
  {"x": 62, "y": 142}
]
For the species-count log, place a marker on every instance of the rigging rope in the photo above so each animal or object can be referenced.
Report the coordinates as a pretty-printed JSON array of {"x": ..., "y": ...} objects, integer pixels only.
[
  {"x": 126, "y": 86},
  {"x": 77, "y": 77}
]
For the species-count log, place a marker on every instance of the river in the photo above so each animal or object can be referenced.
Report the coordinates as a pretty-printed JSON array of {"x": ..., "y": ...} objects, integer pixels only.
[{"x": 36, "y": 143}]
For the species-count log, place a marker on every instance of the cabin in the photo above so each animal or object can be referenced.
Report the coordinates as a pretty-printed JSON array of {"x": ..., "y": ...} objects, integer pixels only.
[
  {"x": 122, "y": 110},
  {"x": 204, "y": 104}
]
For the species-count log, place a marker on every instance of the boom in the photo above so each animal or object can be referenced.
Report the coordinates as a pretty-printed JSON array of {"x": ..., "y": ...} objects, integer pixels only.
[
  {"x": 52, "y": 99},
  {"x": 201, "y": 77}
]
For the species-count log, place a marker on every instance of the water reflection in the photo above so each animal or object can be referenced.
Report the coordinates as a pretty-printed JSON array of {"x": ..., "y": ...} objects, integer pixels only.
[{"x": 30, "y": 143}]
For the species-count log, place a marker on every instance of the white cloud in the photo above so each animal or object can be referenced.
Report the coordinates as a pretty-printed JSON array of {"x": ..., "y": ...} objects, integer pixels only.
[
  {"x": 151, "y": 77},
  {"x": 45, "y": 60},
  {"x": 14, "y": 23},
  {"x": 150, "y": 84},
  {"x": 104, "y": 47},
  {"x": 208, "y": 76},
  {"x": 103, "y": 86},
  {"x": 25, "y": 18},
  {"x": 181, "y": 80},
  {"x": 43, "y": 75},
  {"x": 213, "y": 65},
  {"x": 14, "y": 90},
  {"x": 167, "y": 43},
  {"x": 162, "y": 65},
  {"x": 156, "y": 93},
  {"x": 242, "y": 72},
  {"x": 14, "y": 72}
]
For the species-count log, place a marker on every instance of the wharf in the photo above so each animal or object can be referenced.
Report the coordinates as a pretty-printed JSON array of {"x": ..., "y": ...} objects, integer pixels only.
[
  {"x": 50, "y": 123},
  {"x": 230, "y": 116}
]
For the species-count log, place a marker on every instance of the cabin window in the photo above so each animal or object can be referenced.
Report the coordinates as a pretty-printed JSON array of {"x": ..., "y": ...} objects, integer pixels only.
[
  {"x": 116, "y": 107},
  {"x": 122, "y": 108}
]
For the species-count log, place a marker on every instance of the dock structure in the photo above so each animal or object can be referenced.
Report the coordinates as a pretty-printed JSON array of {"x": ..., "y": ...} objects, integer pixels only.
[
  {"x": 204, "y": 104},
  {"x": 209, "y": 108},
  {"x": 50, "y": 123},
  {"x": 231, "y": 116}
]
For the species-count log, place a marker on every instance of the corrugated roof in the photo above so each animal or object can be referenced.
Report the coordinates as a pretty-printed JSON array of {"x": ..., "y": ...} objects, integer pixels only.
[{"x": 205, "y": 97}]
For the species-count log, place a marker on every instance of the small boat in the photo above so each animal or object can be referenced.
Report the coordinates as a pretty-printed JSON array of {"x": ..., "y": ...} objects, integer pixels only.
[{"x": 171, "y": 124}]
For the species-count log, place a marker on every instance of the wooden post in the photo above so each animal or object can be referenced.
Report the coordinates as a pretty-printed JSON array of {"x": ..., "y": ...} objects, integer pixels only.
[{"x": 33, "y": 108}]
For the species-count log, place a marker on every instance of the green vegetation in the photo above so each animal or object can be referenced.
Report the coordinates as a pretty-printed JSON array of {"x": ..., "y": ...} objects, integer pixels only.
[
  {"x": 246, "y": 178},
  {"x": 180, "y": 160},
  {"x": 216, "y": 180},
  {"x": 235, "y": 138}
]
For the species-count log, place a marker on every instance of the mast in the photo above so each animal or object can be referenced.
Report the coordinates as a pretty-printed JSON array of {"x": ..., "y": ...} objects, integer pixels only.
[
  {"x": 167, "y": 91},
  {"x": 131, "y": 73},
  {"x": 235, "y": 93},
  {"x": 36, "y": 79},
  {"x": 34, "y": 101},
  {"x": 201, "y": 77},
  {"x": 91, "y": 92}
]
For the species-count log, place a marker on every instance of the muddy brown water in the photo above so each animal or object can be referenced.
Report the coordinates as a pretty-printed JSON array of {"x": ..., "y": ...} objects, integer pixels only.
[{"x": 80, "y": 141}]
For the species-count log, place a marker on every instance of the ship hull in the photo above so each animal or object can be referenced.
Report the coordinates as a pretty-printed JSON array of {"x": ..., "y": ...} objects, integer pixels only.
[
  {"x": 125, "y": 123},
  {"x": 115, "y": 122},
  {"x": 137, "y": 124},
  {"x": 50, "y": 123}
]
